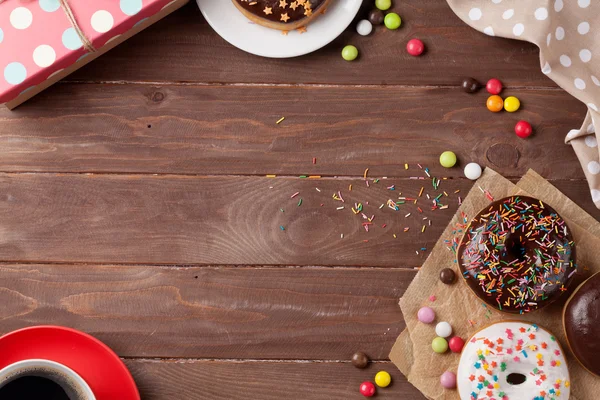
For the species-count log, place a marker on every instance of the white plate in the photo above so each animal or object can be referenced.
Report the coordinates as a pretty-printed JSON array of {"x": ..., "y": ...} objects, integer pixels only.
[{"x": 234, "y": 27}]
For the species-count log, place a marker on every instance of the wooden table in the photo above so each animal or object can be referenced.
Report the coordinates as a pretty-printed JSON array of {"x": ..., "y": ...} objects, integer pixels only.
[{"x": 135, "y": 204}]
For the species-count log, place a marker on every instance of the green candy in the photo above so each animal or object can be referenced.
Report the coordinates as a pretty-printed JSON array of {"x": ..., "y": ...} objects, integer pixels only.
[
  {"x": 448, "y": 159},
  {"x": 349, "y": 53},
  {"x": 439, "y": 345},
  {"x": 392, "y": 21},
  {"x": 383, "y": 4}
]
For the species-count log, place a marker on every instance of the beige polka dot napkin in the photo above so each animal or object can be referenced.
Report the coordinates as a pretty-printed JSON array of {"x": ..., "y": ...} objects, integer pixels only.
[{"x": 568, "y": 35}]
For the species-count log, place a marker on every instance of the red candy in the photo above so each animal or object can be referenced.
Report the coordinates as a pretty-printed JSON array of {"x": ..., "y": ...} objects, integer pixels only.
[
  {"x": 367, "y": 389},
  {"x": 523, "y": 129},
  {"x": 494, "y": 86},
  {"x": 415, "y": 47},
  {"x": 456, "y": 344}
]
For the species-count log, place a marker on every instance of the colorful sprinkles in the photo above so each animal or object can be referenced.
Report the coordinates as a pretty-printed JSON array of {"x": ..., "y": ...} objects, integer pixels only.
[
  {"x": 492, "y": 358},
  {"x": 517, "y": 254},
  {"x": 417, "y": 204}
]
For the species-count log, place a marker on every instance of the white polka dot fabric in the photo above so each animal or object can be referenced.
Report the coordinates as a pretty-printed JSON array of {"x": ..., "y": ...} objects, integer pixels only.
[{"x": 568, "y": 35}]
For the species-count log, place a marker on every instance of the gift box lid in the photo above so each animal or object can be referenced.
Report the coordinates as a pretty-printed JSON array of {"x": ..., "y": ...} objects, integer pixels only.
[{"x": 38, "y": 40}]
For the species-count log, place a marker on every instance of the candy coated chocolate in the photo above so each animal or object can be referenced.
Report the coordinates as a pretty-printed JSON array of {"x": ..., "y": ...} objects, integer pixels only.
[
  {"x": 495, "y": 103},
  {"x": 367, "y": 389},
  {"x": 448, "y": 380},
  {"x": 415, "y": 47},
  {"x": 376, "y": 17},
  {"x": 582, "y": 324},
  {"x": 426, "y": 315},
  {"x": 473, "y": 171},
  {"x": 470, "y": 85},
  {"x": 494, "y": 86},
  {"x": 448, "y": 159},
  {"x": 392, "y": 21},
  {"x": 383, "y": 4},
  {"x": 439, "y": 345},
  {"x": 512, "y": 104},
  {"x": 443, "y": 329},
  {"x": 447, "y": 276},
  {"x": 523, "y": 129},
  {"x": 456, "y": 344},
  {"x": 349, "y": 53},
  {"x": 383, "y": 379},
  {"x": 360, "y": 360},
  {"x": 364, "y": 27}
]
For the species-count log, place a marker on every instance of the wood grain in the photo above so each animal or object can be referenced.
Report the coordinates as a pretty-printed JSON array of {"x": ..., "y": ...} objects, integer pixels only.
[
  {"x": 169, "y": 219},
  {"x": 198, "y": 379},
  {"x": 232, "y": 130},
  {"x": 183, "y": 48},
  {"x": 215, "y": 220},
  {"x": 213, "y": 312}
]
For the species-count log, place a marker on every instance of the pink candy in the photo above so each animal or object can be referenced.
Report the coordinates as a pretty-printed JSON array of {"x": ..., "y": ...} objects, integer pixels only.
[
  {"x": 448, "y": 380},
  {"x": 426, "y": 315}
]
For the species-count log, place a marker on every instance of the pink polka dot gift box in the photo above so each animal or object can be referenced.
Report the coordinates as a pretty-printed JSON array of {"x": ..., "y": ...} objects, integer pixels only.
[{"x": 42, "y": 41}]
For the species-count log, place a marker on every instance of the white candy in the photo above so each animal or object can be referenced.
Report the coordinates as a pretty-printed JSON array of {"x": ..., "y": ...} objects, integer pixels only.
[
  {"x": 443, "y": 329},
  {"x": 364, "y": 27},
  {"x": 473, "y": 171}
]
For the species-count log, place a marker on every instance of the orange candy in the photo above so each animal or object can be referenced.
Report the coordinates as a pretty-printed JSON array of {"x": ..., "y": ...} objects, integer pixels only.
[{"x": 495, "y": 103}]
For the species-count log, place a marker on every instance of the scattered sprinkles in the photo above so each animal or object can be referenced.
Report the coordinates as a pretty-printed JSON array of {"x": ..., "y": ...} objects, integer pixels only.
[{"x": 415, "y": 205}]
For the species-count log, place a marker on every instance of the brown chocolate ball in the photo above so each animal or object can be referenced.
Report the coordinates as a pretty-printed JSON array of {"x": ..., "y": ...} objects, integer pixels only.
[
  {"x": 447, "y": 276},
  {"x": 376, "y": 17},
  {"x": 470, "y": 85},
  {"x": 360, "y": 360}
]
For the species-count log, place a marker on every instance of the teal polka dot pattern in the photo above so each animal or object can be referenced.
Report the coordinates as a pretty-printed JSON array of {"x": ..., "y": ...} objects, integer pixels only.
[
  {"x": 131, "y": 7},
  {"x": 49, "y": 5},
  {"x": 71, "y": 40},
  {"x": 15, "y": 73}
]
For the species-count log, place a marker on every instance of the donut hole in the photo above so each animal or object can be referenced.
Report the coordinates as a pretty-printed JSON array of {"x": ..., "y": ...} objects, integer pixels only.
[
  {"x": 516, "y": 379},
  {"x": 516, "y": 248}
]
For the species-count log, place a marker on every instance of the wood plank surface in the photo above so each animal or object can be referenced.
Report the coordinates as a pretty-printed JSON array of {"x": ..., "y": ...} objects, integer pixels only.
[
  {"x": 216, "y": 220},
  {"x": 232, "y": 130},
  {"x": 224, "y": 220},
  {"x": 183, "y": 48},
  {"x": 213, "y": 312},
  {"x": 199, "y": 379}
]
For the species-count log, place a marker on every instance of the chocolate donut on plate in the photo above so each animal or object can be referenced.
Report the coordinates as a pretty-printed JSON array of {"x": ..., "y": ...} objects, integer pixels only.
[
  {"x": 581, "y": 320},
  {"x": 517, "y": 255},
  {"x": 285, "y": 15}
]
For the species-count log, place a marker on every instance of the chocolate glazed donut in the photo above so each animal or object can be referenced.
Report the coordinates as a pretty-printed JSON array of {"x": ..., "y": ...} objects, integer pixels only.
[
  {"x": 517, "y": 255},
  {"x": 285, "y": 15},
  {"x": 581, "y": 321}
]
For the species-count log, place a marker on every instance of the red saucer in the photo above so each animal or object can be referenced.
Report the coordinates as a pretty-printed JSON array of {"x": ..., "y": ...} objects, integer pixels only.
[{"x": 95, "y": 362}]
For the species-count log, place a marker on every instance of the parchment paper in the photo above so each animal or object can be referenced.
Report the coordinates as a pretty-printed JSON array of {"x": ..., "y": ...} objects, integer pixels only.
[{"x": 412, "y": 352}]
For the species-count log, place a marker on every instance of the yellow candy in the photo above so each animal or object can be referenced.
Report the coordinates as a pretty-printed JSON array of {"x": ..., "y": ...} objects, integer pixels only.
[
  {"x": 383, "y": 379},
  {"x": 511, "y": 104}
]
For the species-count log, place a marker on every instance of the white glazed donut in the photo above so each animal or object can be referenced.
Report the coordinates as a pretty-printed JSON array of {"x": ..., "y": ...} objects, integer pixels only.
[{"x": 510, "y": 352}]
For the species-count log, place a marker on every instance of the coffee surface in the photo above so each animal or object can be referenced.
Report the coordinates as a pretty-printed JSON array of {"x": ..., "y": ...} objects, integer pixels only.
[{"x": 33, "y": 388}]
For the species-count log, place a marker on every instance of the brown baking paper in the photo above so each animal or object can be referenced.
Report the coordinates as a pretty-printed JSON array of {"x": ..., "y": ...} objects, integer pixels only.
[{"x": 412, "y": 352}]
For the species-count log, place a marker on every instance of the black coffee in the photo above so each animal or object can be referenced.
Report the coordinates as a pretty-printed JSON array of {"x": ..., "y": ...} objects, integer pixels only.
[{"x": 33, "y": 388}]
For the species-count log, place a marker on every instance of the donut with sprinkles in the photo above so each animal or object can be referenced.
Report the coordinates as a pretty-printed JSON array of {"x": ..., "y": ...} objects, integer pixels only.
[
  {"x": 518, "y": 255},
  {"x": 513, "y": 361}
]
